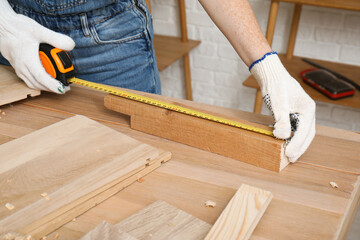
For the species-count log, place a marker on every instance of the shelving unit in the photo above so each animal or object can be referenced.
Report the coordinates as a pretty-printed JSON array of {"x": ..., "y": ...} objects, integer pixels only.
[
  {"x": 294, "y": 64},
  {"x": 170, "y": 49}
]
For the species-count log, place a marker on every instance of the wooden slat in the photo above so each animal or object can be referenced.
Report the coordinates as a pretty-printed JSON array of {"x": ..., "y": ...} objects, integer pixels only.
[
  {"x": 106, "y": 231},
  {"x": 296, "y": 65},
  {"x": 12, "y": 88},
  {"x": 163, "y": 221},
  {"x": 342, "y": 4},
  {"x": 72, "y": 161},
  {"x": 170, "y": 49},
  {"x": 250, "y": 147},
  {"x": 241, "y": 215}
]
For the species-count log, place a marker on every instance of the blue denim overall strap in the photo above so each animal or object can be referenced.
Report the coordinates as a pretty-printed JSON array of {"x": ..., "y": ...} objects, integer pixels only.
[{"x": 113, "y": 38}]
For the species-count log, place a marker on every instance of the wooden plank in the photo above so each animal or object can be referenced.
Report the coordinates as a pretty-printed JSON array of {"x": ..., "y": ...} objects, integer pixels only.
[
  {"x": 12, "y": 88},
  {"x": 55, "y": 223},
  {"x": 72, "y": 161},
  {"x": 241, "y": 215},
  {"x": 163, "y": 221},
  {"x": 106, "y": 231},
  {"x": 250, "y": 147},
  {"x": 296, "y": 65}
]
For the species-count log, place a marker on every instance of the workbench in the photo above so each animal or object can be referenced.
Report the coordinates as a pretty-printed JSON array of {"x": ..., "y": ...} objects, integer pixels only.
[{"x": 304, "y": 206}]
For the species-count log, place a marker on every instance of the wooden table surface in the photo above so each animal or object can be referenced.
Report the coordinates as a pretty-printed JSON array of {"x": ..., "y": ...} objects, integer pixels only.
[{"x": 305, "y": 206}]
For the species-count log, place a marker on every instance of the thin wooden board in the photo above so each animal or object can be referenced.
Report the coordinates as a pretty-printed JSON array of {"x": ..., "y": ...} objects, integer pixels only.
[
  {"x": 163, "y": 221},
  {"x": 106, "y": 231},
  {"x": 250, "y": 147},
  {"x": 73, "y": 161},
  {"x": 12, "y": 88},
  {"x": 241, "y": 215}
]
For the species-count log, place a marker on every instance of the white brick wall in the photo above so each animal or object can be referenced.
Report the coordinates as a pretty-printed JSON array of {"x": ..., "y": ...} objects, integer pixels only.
[{"x": 217, "y": 71}]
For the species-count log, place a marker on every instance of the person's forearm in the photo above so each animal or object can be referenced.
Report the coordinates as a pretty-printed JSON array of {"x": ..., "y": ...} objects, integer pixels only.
[{"x": 236, "y": 19}]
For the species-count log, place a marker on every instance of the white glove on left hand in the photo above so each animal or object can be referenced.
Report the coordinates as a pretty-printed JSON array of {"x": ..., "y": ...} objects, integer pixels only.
[
  {"x": 293, "y": 110},
  {"x": 20, "y": 38}
]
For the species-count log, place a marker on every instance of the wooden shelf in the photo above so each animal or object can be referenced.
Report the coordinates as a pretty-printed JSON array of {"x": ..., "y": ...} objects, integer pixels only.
[
  {"x": 296, "y": 65},
  {"x": 342, "y": 4},
  {"x": 170, "y": 49}
]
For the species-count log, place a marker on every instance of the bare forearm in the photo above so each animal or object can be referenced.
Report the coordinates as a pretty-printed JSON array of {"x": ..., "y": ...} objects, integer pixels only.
[{"x": 236, "y": 19}]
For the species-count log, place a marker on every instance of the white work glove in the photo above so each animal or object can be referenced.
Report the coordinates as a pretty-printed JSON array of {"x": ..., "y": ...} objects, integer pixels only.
[
  {"x": 293, "y": 110},
  {"x": 20, "y": 38}
]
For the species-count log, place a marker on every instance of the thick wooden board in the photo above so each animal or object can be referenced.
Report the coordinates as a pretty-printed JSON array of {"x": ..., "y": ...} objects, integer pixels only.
[
  {"x": 241, "y": 215},
  {"x": 250, "y": 147},
  {"x": 73, "y": 161},
  {"x": 163, "y": 221},
  {"x": 12, "y": 88}
]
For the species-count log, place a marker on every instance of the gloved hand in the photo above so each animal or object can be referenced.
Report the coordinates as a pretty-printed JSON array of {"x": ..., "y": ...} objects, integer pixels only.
[
  {"x": 20, "y": 38},
  {"x": 293, "y": 110}
]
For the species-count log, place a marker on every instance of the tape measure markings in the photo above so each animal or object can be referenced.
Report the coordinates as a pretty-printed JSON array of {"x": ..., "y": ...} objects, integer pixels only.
[{"x": 168, "y": 106}]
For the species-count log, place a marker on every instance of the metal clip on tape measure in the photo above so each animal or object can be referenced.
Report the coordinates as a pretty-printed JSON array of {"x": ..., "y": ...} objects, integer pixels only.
[{"x": 57, "y": 63}]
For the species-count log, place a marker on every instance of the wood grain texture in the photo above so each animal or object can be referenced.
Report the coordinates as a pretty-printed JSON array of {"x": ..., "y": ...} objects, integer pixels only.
[
  {"x": 106, "y": 231},
  {"x": 163, "y": 221},
  {"x": 254, "y": 148},
  {"x": 241, "y": 215},
  {"x": 12, "y": 88},
  {"x": 73, "y": 161},
  {"x": 194, "y": 176},
  {"x": 296, "y": 65}
]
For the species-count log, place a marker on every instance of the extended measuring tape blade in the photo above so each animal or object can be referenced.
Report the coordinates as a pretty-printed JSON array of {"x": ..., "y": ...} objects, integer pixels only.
[{"x": 169, "y": 106}]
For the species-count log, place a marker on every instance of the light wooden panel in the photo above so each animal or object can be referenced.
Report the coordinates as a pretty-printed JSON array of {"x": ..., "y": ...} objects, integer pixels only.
[
  {"x": 250, "y": 147},
  {"x": 296, "y": 65},
  {"x": 77, "y": 162},
  {"x": 162, "y": 221},
  {"x": 241, "y": 215},
  {"x": 12, "y": 88},
  {"x": 106, "y": 231}
]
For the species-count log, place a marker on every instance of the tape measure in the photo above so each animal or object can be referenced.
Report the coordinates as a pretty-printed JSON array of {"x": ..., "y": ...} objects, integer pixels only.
[{"x": 58, "y": 64}]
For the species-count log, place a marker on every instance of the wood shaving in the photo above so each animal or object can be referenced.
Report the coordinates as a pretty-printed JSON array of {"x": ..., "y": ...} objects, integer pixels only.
[
  {"x": 8, "y": 181},
  {"x": 47, "y": 198},
  {"x": 14, "y": 236},
  {"x": 56, "y": 236},
  {"x": 141, "y": 180},
  {"x": 9, "y": 206},
  {"x": 3, "y": 113},
  {"x": 150, "y": 235},
  {"x": 210, "y": 203},
  {"x": 334, "y": 185},
  {"x": 74, "y": 220},
  {"x": 44, "y": 194},
  {"x": 171, "y": 224},
  {"x": 44, "y": 238}
]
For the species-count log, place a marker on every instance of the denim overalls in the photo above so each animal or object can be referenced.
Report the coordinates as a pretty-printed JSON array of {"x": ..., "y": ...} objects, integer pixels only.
[{"x": 113, "y": 38}]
